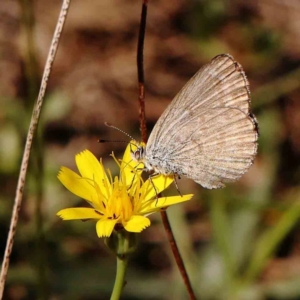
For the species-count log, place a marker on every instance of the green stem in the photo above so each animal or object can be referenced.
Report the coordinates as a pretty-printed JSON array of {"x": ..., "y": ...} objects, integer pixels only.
[
  {"x": 122, "y": 243},
  {"x": 120, "y": 282}
]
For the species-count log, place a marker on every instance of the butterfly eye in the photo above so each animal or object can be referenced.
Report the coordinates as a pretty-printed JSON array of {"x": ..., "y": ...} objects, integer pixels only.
[{"x": 139, "y": 153}]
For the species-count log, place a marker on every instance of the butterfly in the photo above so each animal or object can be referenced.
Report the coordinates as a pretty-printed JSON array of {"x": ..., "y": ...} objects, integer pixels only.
[{"x": 208, "y": 133}]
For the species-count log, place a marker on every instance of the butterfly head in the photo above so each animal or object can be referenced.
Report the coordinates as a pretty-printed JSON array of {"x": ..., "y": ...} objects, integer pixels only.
[{"x": 139, "y": 155}]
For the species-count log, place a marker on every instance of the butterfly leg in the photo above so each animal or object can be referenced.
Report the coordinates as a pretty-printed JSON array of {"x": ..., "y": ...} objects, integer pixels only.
[
  {"x": 150, "y": 178},
  {"x": 136, "y": 169},
  {"x": 176, "y": 185}
]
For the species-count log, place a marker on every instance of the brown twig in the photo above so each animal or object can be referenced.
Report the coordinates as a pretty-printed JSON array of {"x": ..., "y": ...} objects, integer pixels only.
[
  {"x": 143, "y": 129},
  {"x": 140, "y": 70},
  {"x": 177, "y": 255},
  {"x": 31, "y": 132}
]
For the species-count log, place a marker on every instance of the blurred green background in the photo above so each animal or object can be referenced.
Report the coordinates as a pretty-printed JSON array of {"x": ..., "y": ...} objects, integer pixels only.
[{"x": 241, "y": 242}]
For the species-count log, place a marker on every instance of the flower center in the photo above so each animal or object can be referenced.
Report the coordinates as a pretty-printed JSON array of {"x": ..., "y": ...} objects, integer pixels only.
[{"x": 119, "y": 205}]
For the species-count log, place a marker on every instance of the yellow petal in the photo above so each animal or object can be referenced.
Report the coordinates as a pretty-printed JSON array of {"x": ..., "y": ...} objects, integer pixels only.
[
  {"x": 162, "y": 202},
  {"x": 130, "y": 166},
  {"x": 79, "y": 213},
  {"x": 90, "y": 167},
  {"x": 77, "y": 185},
  {"x": 127, "y": 154},
  {"x": 105, "y": 227},
  {"x": 137, "y": 224},
  {"x": 161, "y": 182}
]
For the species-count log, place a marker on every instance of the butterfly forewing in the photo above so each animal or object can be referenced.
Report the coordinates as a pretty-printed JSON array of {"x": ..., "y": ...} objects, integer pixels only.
[{"x": 208, "y": 132}]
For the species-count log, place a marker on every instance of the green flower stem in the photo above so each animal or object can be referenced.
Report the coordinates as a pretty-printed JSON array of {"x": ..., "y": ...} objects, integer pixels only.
[
  {"x": 122, "y": 243},
  {"x": 120, "y": 282}
]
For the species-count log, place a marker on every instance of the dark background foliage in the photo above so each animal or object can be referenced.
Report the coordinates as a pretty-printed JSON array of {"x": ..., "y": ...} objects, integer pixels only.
[{"x": 242, "y": 242}]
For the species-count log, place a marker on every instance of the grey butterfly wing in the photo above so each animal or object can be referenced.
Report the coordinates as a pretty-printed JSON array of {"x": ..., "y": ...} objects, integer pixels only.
[
  {"x": 208, "y": 132},
  {"x": 219, "y": 150}
]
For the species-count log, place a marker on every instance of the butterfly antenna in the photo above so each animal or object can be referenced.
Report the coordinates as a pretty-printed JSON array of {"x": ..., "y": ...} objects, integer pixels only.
[
  {"x": 114, "y": 127},
  {"x": 109, "y": 141}
]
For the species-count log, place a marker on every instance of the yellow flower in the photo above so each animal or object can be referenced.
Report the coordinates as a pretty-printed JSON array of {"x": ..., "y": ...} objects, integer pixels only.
[{"x": 120, "y": 202}]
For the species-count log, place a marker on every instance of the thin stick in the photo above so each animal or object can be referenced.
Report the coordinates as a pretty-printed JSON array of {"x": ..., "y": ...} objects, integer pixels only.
[
  {"x": 140, "y": 69},
  {"x": 176, "y": 254},
  {"x": 143, "y": 128},
  {"x": 37, "y": 163},
  {"x": 31, "y": 132}
]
